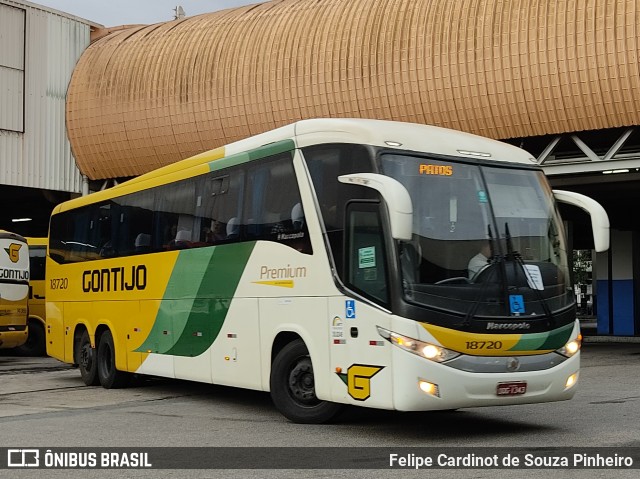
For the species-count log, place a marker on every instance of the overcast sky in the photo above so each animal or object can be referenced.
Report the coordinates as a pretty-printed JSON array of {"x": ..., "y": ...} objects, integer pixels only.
[{"x": 122, "y": 12}]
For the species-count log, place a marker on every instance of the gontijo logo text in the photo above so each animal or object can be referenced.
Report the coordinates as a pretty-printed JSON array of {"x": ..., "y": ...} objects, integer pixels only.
[
  {"x": 117, "y": 278},
  {"x": 14, "y": 274}
]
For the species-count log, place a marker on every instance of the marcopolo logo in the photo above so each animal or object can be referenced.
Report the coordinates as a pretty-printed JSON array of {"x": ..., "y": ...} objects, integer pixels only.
[
  {"x": 508, "y": 326},
  {"x": 23, "y": 458}
]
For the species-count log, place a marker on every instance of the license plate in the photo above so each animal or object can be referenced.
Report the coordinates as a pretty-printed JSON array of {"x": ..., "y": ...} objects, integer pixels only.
[{"x": 511, "y": 389}]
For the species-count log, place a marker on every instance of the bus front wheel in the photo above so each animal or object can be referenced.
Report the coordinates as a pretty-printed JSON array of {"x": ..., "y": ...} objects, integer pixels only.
[
  {"x": 293, "y": 387},
  {"x": 109, "y": 376},
  {"x": 85, "y": 356}
]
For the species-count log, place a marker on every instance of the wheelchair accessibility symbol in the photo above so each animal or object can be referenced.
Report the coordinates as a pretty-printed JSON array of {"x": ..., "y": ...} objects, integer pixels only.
[
  {"x": 350, "y": 309},
  {"x": 516, "y": 301}
]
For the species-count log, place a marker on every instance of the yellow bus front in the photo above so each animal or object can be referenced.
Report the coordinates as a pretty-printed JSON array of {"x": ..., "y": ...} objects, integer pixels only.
[{"x": 14, "y": 289}]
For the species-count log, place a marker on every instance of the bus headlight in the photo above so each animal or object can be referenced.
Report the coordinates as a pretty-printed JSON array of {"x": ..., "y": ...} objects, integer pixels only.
[
  {"x": 571, "y": 348},
  {"x": 417, "y": 347}
]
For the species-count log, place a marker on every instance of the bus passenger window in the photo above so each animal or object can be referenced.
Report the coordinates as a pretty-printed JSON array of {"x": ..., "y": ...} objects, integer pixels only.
[
  {"x": 221, "y": 205},
  {"x": 275, "y": 211}
]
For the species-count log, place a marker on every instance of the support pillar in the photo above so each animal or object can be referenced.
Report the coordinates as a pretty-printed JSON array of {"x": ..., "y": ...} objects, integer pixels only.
[{"x": 616, "y": 311}]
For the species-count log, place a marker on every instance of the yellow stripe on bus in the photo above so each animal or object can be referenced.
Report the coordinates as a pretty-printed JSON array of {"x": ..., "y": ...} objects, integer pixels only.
[
  {"x": 477, "y": 344},
  {"x": 283, "y": 283}
]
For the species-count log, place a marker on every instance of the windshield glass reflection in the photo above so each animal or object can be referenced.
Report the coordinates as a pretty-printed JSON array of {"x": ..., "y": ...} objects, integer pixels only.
[{"x": 482, "y": 235}]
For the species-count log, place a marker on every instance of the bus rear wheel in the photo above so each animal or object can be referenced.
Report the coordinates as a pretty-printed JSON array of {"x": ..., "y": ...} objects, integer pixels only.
[
  {"x": 293, "y": 387},
  {"x": 36, "y": 344},
  {"x": 109, "y": 376},
  {"x": 85, "y": 356}
]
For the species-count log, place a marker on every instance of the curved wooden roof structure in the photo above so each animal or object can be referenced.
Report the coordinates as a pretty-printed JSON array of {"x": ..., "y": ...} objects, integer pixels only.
[{"x": 147, "y": 96}]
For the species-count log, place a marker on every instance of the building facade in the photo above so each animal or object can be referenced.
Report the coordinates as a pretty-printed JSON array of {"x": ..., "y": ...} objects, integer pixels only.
[{"x": 39, "y": 48}]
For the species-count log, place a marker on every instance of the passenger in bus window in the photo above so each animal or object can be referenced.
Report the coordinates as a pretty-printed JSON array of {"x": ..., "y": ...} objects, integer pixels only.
[
  {"x": 233, "y": 228},
  {"x": 217, "y": 233},
  {"x": 297, "y": 217},
  {"x": 142, "y": 243},
  {"x": 107, "y": 250},
  {"x": 480, "y": 261},
  {"x": 182, "y": 240}
]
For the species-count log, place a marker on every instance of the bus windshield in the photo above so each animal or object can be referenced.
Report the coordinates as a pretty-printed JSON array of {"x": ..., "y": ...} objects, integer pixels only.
[{"x": 487, "y": 240}]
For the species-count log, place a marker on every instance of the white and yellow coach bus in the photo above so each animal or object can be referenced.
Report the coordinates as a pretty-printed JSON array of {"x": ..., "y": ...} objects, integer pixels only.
[
  {"x": 14, "y": 289},
  {"x": 327, "y": 262}
]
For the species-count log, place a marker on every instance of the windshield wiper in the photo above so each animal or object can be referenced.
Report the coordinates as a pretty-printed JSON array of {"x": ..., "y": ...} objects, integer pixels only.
[{"x": 516, "y": 258}]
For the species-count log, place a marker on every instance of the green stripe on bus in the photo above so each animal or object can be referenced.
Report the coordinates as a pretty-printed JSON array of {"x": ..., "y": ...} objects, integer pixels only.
[
  {"x": 558, "y": 337},
  {"x": 217, "y": 288},
  {"x": 530, "y": 342},
  {"x": 550, "y": 340},
  {"x": 197, "y": 299},
  {"x": 244, "y": 157}
]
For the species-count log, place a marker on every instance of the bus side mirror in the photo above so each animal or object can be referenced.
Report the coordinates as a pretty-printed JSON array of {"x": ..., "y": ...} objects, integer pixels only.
[
  {"x": 395, "y": 196},
  {"x": 599, "y": 217}
]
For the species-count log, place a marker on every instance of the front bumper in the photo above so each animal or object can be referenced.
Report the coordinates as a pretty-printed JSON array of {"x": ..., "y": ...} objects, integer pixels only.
[{"x": 461, "y": 389}]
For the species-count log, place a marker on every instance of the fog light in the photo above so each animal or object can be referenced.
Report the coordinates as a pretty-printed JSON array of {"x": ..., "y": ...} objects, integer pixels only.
[
  {"x": 429, "y": 388},
  {"x": 571, "y": 381}
]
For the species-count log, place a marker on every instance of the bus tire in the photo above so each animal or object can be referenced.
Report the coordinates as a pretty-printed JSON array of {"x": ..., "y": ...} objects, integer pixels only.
[
  {"x": 293, "y": 387},
  {"x": 109, "y": 376},
  {"x": 85, "y": 356},
  {"x": 36, "y": 344}
]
